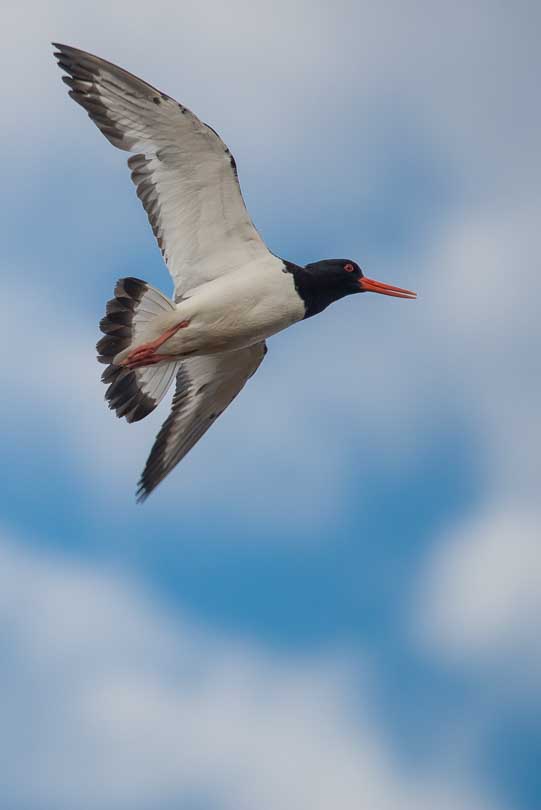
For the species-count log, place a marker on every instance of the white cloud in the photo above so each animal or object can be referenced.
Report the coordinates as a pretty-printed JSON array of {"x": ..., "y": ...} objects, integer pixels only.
[
  {"x": 112, "y": 703},
  {"x": 485, "y": 315},
  {"x": 480, "y": 600},
  {"x": 312, "y": 70},
  {"x": 60, "y": 372},
  {"x": 480, "y": 590}
]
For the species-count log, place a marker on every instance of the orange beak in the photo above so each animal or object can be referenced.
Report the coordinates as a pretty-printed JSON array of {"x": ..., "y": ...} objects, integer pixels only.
[{"x": 369, "y": 285}]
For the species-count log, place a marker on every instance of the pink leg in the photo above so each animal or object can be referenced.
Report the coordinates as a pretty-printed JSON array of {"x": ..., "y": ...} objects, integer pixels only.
[
  {"x": 149, "y": 361},
  {"x": 145, "y": 354}
]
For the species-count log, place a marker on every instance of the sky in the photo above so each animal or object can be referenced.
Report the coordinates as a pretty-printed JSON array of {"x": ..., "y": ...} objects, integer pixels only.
[{"x": 333, "y": 601}]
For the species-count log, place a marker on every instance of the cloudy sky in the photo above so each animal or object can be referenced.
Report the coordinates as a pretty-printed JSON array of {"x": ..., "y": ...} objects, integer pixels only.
[{"x": 334, "y": 601}]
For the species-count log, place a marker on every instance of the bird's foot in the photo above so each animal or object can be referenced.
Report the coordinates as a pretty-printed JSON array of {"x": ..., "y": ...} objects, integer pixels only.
[
  {"x": 146, "y": 354},
  {"x": 145, "y": 361}
]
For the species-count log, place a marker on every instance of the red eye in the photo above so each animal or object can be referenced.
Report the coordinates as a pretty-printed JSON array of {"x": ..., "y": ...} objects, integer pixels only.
[{"x": 349, "y": 268}]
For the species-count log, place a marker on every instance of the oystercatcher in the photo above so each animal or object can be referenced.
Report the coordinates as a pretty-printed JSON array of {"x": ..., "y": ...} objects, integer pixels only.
[{"x": 230, "y": 292}]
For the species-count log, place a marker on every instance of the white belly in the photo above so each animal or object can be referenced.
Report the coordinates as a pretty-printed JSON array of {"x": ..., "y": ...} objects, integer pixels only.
[{"x": 237, "y": 310}]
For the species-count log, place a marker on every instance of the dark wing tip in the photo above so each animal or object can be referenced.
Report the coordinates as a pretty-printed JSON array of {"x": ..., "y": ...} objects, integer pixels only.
[
  {"x": 157, "y": 467},
  {"x": 91, "y": 80},
  {"x": 66, "y": 52},
  {"x": 142, "y": 493}
]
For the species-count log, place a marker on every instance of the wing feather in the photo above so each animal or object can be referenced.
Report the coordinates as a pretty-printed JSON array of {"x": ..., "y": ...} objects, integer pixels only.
[
  {"x": 205, "y": 386},
  {"x": 185, "y": 175}
]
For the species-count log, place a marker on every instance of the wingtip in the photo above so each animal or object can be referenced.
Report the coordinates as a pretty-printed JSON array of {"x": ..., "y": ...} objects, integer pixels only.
[
  {"x": 141, "y": 494},
  {"x": 60, "y": 50},
  {"x": 61, "y": 55},
  {"x": 68, "y": 51},
  {"x": 62, "y": 47}
]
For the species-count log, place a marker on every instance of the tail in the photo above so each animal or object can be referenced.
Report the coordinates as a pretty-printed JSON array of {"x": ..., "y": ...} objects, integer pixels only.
[{"x": 133, "y": 394}]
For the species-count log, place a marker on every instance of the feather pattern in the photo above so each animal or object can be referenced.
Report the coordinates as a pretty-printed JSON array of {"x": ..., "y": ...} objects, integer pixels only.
[
  {"x": 185, "y": 175},
  {"x": 205, "y": 386}
]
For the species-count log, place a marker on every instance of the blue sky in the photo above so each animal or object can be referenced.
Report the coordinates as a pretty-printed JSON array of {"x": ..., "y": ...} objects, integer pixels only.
[{"x": 333, "y": 600}]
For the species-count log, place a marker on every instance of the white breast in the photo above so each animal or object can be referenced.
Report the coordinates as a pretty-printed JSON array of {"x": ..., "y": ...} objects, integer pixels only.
[{"x": 240, "y": 309}]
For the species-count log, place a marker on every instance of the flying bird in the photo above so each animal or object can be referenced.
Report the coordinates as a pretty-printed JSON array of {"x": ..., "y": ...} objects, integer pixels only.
[{"x": 230, "y": 292}]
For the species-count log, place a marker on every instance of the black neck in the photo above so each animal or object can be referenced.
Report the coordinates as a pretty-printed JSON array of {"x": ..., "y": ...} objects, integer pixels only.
[{"x": 316, "y": 297}]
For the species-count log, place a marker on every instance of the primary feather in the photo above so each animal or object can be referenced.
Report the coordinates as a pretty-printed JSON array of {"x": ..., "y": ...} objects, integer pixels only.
[{"x": 185, "y": 175}]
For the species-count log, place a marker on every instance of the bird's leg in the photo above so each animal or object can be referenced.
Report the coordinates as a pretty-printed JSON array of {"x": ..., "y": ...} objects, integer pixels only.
[
  {"x": 148, "y": 361},
  {"x": 145, "y": 354}
]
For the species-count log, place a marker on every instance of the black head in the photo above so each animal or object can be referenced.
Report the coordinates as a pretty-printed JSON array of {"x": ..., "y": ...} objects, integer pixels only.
[
  {"x": 339, "y": 275},
  {"x": 321, "y": 283}
]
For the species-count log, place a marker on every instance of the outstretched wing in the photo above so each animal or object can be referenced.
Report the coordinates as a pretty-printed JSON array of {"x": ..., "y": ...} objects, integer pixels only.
[
  {"x": 185, "y": 175},
  {"x": 205, "y": 386}
]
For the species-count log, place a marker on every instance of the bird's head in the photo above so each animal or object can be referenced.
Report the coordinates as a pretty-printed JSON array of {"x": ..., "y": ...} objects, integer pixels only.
[{"x": 328, "y": 280}]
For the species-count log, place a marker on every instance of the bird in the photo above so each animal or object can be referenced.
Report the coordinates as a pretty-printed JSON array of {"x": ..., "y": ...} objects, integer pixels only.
[{"x": 231, "y": 293}]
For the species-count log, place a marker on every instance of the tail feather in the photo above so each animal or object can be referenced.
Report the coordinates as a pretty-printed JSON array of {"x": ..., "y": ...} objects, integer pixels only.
[{"x": 133, "y": 393}]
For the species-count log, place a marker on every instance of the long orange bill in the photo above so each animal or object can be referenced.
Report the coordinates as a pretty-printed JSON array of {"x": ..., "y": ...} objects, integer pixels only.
[{"x": 369, "y": 285}]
